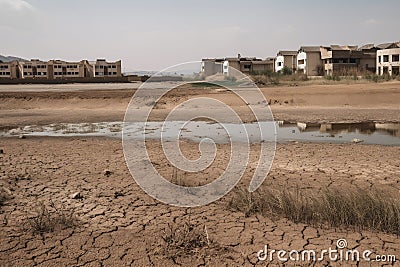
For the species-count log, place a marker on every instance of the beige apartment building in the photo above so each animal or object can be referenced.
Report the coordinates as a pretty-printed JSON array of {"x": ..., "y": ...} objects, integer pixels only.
[
  {"x": 59, "y": 69},
  {"x": 33, "y": 69},
  {"x": 102, "y": 68},
  {"x": 9, "y": 70},
  {"x": 387, "y": 59}
]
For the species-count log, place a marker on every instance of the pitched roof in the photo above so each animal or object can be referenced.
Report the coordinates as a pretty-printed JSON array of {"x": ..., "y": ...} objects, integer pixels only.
[
  {"x": 366, "y": 47},
  {"x": 287, "y": 53},
  {"x": 344, "y": 47},
  {"x": 310, "y": 48},
  {"x": 388, "y": 45}
]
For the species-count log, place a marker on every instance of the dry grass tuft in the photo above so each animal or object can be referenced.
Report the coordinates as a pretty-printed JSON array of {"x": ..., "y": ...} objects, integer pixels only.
[
  {"x": 358, "y": 208},
  {"x": 185, "y": 239},
  {"x": 51, "y": 218}
]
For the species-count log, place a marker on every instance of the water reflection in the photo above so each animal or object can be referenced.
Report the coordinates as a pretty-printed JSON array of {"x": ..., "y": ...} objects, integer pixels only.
[
  {"x": 364, "y": 132},
  {"x": 392, "y": 129}
]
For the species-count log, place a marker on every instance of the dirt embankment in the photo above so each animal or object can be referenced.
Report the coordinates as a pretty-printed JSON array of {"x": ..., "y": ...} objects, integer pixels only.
[{"x": 354, "y": 102}]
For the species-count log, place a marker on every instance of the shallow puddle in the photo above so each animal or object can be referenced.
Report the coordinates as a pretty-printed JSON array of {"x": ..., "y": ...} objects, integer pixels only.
[{"x": 366, "y": 132}]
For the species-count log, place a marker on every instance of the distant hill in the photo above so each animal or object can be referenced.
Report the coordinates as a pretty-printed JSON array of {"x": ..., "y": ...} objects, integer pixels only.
[{"x": 10, "y": 58}]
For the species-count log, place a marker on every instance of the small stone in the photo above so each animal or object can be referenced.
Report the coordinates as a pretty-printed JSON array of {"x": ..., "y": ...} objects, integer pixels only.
[
  {"x": 107, "y": 172},
  {"x": 76, "y": 195},
  {"x": 356, "y": 140}
]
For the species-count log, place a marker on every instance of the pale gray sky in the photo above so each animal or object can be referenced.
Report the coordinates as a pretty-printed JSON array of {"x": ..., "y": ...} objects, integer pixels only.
[{"x": 152, "y": 35}]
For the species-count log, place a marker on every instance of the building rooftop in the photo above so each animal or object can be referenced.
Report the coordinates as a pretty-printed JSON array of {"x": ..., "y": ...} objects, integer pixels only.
[
  {"x": 366, "y": 47},
  {"x": 388, "y": 45},
  {"x": 344, "y": 47},
  {"x": 287, "y": 53},
  {"x": 310, "y": 48}
]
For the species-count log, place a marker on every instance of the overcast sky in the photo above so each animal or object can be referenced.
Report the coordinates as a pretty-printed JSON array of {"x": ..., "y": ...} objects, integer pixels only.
[{"x": 152, "y": 35}]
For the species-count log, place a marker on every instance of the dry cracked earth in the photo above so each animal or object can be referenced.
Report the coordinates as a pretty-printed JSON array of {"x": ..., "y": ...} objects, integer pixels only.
[{"x": 117, "y": 224}]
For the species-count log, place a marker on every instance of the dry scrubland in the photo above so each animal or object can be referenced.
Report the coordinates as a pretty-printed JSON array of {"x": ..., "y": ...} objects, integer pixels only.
[{"x": 72, "y": 201}]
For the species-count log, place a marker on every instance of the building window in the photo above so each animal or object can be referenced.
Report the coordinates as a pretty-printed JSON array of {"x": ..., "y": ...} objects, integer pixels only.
[
  {"x": 395, "y": 58},
  {"x": 279, "y": 64},
  {"x": 301, "y": 61},
  {"x": 352, "y": 60},
  {"x": 379, "y": 59},
  {"x": 385, "y": 58}
]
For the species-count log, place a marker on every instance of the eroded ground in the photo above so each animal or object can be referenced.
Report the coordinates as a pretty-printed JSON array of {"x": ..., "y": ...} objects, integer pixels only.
[{"x": 120, "y": 225}]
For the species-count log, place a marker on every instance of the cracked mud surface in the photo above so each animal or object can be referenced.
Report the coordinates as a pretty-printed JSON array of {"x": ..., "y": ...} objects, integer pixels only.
[{"x": 119, "y": 225}]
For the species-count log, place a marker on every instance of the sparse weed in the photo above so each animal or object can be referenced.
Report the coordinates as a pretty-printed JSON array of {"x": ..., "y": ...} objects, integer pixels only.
[
  {"x": 184, "y": 239},
  {"x": 49, "y": 220}
]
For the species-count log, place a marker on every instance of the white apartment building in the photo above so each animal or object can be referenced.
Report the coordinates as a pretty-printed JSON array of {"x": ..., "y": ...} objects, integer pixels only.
[{"x": 387, "y": 59}]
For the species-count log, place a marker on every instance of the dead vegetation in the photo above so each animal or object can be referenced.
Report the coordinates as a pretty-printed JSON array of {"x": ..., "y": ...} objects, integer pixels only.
[
  {"x": 356, "y": 208},
  {"x": 50, "y": 218},
  {"x": 185, "y": 238}
]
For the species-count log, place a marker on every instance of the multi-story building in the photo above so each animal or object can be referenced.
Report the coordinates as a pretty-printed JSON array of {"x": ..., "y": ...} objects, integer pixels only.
[
  {"x": 348, "y": 60},
  {"x": 33, "y": 69},
  {"x": 309, "y": 61},
  {"x": 286, "y": 59},
  {"x": 211, "y": 66},
  {"x": 368, "y": 57},
  {"x": 387, "y": 59},
  {"x": 9, "y": 70},
  {"x": 248, "y": 64},
  {"x": 102, "y": 68},
  {"x": 59, "y": 69}
]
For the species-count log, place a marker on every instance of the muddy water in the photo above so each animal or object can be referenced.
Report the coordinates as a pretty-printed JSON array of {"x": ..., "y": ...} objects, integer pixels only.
[{"x": 364, "y": 132}]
